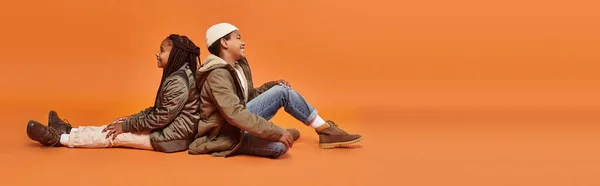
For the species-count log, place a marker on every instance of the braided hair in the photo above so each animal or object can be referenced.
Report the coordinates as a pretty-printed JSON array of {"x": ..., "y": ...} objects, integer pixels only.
[{"x": 183, "y": 52}]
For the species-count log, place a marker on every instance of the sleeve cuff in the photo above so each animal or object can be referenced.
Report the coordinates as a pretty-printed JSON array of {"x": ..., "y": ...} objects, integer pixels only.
[{"x": 125, "y": 126}]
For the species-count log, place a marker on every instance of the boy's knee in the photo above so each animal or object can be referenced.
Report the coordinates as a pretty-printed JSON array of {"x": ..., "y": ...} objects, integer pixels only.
[{"x": 281, "y": 90}]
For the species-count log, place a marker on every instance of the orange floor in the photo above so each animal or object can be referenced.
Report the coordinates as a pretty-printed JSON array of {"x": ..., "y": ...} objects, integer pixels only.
[{"x": 401, "y": 147}]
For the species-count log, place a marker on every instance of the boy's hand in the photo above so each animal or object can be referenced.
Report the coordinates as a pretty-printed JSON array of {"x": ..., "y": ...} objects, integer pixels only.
[
  {"x": 287, "y": 139},
  {"x": 284, "y": 83}
]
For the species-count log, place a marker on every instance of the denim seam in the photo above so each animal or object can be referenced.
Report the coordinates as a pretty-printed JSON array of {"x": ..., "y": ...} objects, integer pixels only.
[{"x": 260, "y": 113}]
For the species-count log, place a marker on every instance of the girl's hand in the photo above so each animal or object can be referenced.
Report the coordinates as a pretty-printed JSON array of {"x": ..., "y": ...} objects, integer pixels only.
[
  {"x": 114, "y": 129},
  {"x": 121, "y": 119}
]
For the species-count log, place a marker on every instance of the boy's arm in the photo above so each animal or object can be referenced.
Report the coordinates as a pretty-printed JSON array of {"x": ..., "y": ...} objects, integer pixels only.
[
  {"x": 265, "y": 87},
  {"x": 223, "y": 92},
  {"x": 174, "y": 96}
]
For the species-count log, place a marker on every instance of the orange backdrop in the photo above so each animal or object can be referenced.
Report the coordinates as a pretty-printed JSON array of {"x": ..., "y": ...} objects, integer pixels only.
[
  {"x": 471, "y": 91},
  {"x": 99, "y": 55}
]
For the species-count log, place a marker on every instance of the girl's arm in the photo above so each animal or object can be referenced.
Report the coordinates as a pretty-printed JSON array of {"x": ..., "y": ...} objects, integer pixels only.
[
  {"x": 173, "y": 100},
  {"x": 143, "y": 112}
]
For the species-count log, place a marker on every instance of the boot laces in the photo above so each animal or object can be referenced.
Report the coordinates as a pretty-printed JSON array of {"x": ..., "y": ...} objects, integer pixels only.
[
  {"x": 66, "y": 122},
  {"x": 51, "y": 134},
  {"x": 336, "y": 126}
]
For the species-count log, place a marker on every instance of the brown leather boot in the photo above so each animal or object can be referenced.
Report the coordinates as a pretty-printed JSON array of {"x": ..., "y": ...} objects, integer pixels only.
[
  {"x": 60, "y": 125},
  {"x": 295, "y": 133},
  {"x": 45, "y": 135},
  {"x": 331, "y": 136}
]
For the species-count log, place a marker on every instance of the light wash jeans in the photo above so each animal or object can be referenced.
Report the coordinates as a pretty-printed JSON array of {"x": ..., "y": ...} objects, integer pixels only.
[{"x": 266, "y": 105}]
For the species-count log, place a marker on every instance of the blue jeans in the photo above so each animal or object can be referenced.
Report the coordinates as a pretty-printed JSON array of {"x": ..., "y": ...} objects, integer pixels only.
[{"x": 266, "y": 105}]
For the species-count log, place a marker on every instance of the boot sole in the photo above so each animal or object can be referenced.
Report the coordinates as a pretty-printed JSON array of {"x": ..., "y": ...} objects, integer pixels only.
[{"x": 339, "y": 144}]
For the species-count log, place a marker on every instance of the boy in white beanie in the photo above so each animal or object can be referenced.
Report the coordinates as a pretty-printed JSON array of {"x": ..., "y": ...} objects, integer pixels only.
[{"x": 231, "y": 105}]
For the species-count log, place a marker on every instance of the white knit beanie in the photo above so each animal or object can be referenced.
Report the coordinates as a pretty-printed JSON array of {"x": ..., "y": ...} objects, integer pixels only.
[{"x": 217, "y": 31}]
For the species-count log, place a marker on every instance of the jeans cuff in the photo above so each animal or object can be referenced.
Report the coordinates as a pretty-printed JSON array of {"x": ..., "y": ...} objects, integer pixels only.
[{"x": 313, "y": 115}]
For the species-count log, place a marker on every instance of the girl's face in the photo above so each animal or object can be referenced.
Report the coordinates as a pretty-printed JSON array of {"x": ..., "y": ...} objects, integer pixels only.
[{"x": 162, "y": 57}]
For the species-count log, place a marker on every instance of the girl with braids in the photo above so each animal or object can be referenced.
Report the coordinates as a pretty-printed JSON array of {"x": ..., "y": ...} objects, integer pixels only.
[{"x": 168, "y": 126}]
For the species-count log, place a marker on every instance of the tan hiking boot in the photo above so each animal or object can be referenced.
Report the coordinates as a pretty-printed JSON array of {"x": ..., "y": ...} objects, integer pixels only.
[{"x": 331, "y": 136}]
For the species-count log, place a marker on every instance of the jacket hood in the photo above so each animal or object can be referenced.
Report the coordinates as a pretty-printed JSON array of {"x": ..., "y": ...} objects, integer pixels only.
[{"x": 212, "y": 62}]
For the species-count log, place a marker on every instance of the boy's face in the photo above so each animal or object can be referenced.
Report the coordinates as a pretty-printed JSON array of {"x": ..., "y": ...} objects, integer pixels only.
[
  {"x": 235, "y": 45},
  {"x": 162, "y": 57}
]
